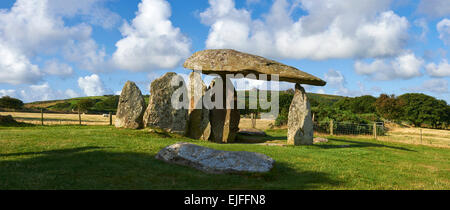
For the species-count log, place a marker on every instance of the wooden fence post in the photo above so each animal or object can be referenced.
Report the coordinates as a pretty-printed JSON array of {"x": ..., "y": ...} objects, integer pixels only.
[
  {"x": 331, "y": 127},
  {"x": 42, "y": 116},
  {"x": 110, "y": 118},
  {"x": 375, "y": 130},
  {"x": 421, "y": 135},
  {"x": 253, "y": 115},
  {"x": 79, "y": 115}
]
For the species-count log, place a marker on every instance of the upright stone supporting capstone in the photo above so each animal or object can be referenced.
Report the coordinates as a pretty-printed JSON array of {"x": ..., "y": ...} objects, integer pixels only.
[
  {"x": 300, "y": 125},
  {"x": 225, "y": 120},
  {"x": 199, "y": 126},
  {"x": 229, "y": 61},
  {"x": 131, "y": 107},
  {"x": 160, "y": 112}
]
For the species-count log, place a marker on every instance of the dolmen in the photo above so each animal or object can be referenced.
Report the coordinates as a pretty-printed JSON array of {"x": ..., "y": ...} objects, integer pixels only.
[
  {"x": 227, "y": 61},
  {"x": 180, "y": 108}
]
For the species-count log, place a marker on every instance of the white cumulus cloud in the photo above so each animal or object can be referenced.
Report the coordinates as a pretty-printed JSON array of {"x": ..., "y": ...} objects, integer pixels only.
[
  {"x": 331, "y": 29},
  {"x": 91, "y": 11},
  {"x": 439, "y": 86},
  {"x": 91, "y": 85},
  {"x": 336, "y": 81},
  {"x": 151, "y": 41},
  {"x": 54, "y": 67},
  {"x": 443, "y": 27},
  {"x": 434, "y": 8},
  {"x": 44, "y": 92},
  {"x": 16, "y": 68},
  {"x": 9, "y": 92},
  {"x": 439, "y": 70},
  {"x": 404, "y": 66},
  {"x": 36, "y": 29}
]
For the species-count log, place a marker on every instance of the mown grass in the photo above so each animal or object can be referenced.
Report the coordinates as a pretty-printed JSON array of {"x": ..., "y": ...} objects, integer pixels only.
[{"x": 102, "y": 157}]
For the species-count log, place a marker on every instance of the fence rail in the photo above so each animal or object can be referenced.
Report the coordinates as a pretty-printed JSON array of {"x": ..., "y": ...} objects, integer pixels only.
[
  {"x": 348, "y": 128},
  {"x": 43, "y": 118}
]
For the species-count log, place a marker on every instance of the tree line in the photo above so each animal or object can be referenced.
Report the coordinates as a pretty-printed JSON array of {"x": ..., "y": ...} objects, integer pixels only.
[
  {"x": 418, "y": 109},
  {"x": 106, "y": 104}
]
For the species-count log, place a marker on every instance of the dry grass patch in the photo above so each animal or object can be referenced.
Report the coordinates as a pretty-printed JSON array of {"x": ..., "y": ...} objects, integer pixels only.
[{"x": 59, "y": 119}]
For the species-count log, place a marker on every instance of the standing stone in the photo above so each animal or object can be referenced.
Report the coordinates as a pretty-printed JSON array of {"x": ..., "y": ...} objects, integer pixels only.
[
  {"x": 225, "y": 120},
  {"x": 198, "y": 124},
  {"x": 131, "y": 107},
  {"x": 300, "y": 125},
  {"x": 161, "y": 113}
]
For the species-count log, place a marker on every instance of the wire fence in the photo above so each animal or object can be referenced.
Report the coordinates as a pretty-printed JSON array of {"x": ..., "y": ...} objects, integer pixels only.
[
  {"x": 62, "y": 119},
  {"x": 348, "y": 128}
]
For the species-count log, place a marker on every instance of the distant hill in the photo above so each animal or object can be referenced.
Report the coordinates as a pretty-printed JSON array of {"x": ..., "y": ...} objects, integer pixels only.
[
  {"x": 100, "y": 104},
  {"x": 107, "y": 103},
  {"x": 324, "y": 98}
]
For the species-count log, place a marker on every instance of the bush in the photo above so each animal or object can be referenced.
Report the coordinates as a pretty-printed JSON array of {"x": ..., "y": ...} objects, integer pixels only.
[
  {"x": 6, "y": 120},
  {"x": 85, "y": 104},
  {"x": 285, "y": 100},
  {"x": 65, "y": 106},
  {"x": 110, "y": 104},
  {"x": 10, "y": 103},
  {"x": 282, "y": 118}
]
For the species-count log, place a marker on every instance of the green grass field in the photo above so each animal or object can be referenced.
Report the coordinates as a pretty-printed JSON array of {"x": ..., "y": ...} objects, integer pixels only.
[{"x": 102, "y": 157}]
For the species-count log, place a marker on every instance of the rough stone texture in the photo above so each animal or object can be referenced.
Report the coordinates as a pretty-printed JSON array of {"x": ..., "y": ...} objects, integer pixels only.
[
  {"x": 320, "y": 140},
  {"x": 199, "y": 126},
  {"x": 215, "y": 161},
  {"x": 131, "y": 107},
  {"x": 160, "y": 113},
  {"x": 225, "y": 121},
  {"x": 300, "y": 125},
  {"x": 227, "y": 61},
  {"x": 252, "y": 132}
]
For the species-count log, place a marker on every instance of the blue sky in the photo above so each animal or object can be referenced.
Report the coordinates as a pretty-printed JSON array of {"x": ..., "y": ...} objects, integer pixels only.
[{"x": 52, "y": 49}]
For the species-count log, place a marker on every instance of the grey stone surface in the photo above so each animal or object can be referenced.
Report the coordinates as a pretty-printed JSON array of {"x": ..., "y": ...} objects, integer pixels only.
[
  {"x": 215, "y": 161},
  {"x": 160, "y": 112},
  {"x": 300, "y": 124},
  {"x": 225, "y": 121},
  {"x": 199, "y": 126},
  {"x": 131, "y": 107},
  {"x": 320, "y": 140},
  {"x": 227, "y": 61}
]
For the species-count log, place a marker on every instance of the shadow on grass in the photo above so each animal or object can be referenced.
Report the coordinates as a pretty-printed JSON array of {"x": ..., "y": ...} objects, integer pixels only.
[
  {"x": 16, "y": 124},
  {"x": 358, "y": 144},
  {"x": 354, "y": 144},
  {"x": 257, "y": 139},
  {"x": 80, "y": 168},
  {"x": 54, "y": 152}
]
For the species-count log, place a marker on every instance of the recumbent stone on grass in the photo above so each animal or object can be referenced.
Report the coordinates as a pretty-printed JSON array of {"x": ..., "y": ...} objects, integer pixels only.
[{"x": 215, "y": 161}]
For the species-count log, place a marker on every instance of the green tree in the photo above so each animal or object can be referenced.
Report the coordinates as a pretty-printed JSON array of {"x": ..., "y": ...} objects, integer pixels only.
[
  {"x": 363, "y": 104},
  {"x": 10, "y": 103},
  {"x": 422, "y": 109},
  {"x": 357, "y": 105},
  {"x": 285, "y": 99},
  {"x": 389, "y": 107}
]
